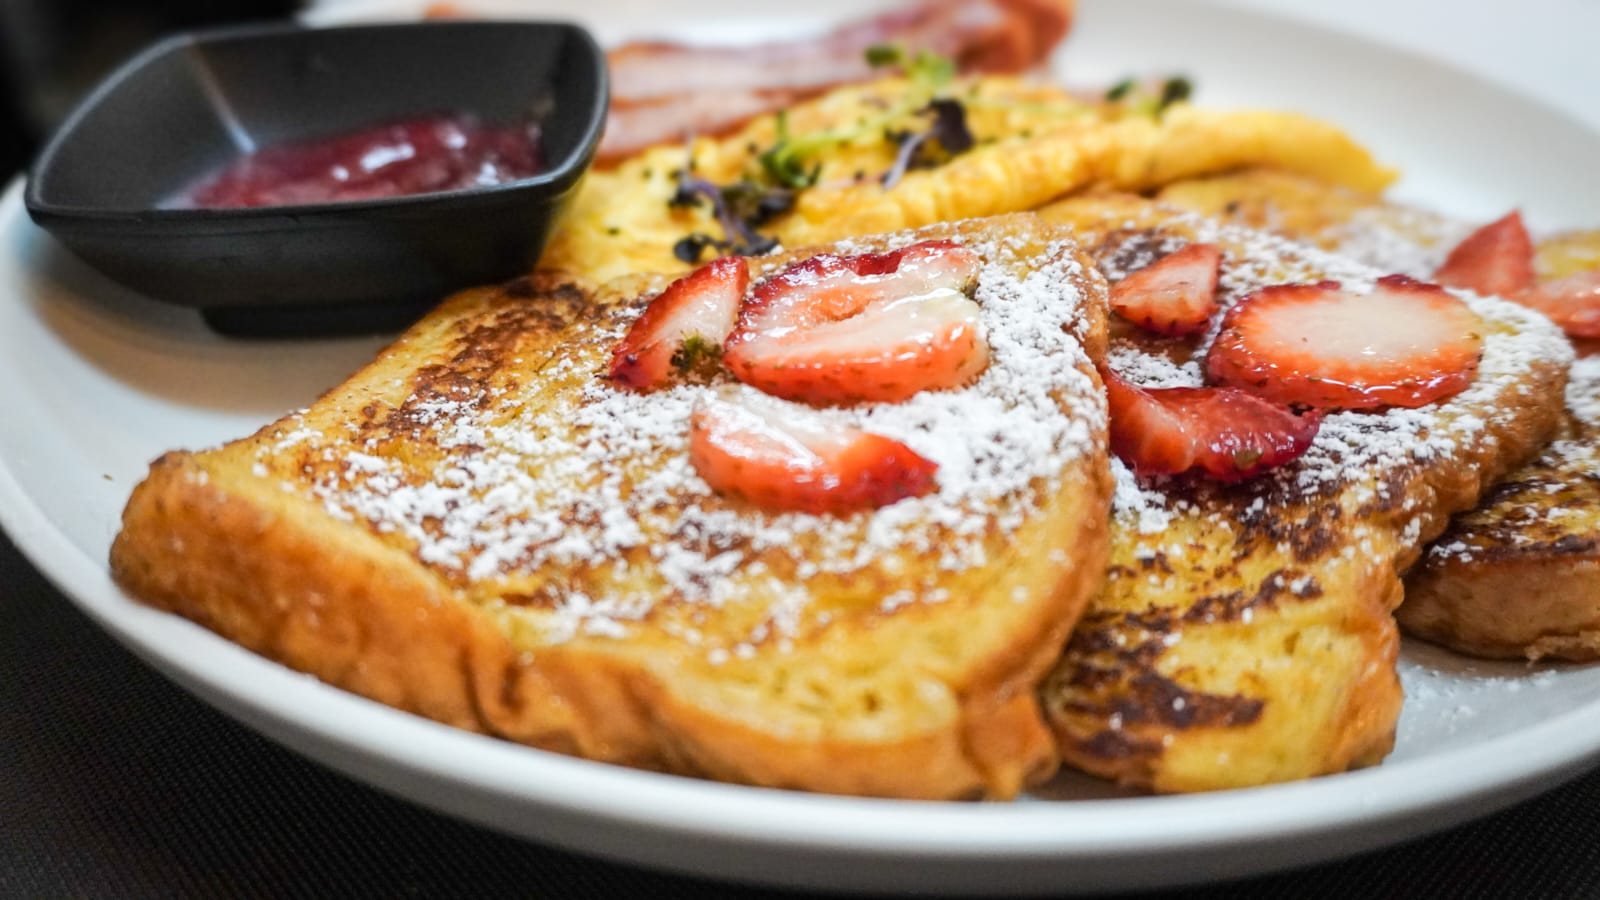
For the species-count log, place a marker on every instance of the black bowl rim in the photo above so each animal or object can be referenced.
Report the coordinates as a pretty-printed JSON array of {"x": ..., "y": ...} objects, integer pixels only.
[{"x": 555, "y": 179}]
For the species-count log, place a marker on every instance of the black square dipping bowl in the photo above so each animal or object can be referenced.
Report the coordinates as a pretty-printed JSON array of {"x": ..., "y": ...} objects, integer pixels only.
[{"x": 108, "y": 182}]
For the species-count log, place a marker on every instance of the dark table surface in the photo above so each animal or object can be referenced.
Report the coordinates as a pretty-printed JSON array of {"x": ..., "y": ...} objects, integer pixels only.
[{"x": 115, "y": 783}]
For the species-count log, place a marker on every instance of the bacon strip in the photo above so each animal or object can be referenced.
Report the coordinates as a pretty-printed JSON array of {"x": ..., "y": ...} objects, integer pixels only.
[
  {"x": 633, "y": 127},
  {"x": 663, "y": 92},
  {"x": 650, "y": 70}
]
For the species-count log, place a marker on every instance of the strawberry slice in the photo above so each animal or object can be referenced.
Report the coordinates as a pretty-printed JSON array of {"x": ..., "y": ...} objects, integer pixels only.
[
  {"x": 873, "y": 327},
  {"x": 1572, "y": 302},
  {"x": 1226, "y": 433},
  {"x": 1175, "y": 295},
  {"x": 1496, "y": 260},
  {"x": 786, "y": 458},
  {"x": 683, "y": 327},
  {"x": 1405, "y": 343}
]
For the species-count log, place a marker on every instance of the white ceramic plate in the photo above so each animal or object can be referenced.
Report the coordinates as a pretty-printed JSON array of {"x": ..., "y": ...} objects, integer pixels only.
[{"x": 99, "y": 381}]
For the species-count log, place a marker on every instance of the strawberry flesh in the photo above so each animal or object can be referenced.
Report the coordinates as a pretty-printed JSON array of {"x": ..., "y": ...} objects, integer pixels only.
[
  {"x": 876, "y": 327},
  {"x": 1496, "y": 260},
  {"x": 1225, "y": 433},
  {"x": 696, "y": 311},
  {"x": 1405, "y": 344},
  {"x": 1572, "y": 302},
  {"x": 1175, "y": 295},
  {"x": 786, "y": 458}
]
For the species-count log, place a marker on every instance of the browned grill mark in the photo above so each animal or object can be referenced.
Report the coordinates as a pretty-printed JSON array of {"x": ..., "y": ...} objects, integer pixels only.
[
  {"x": 1151, "y": 699},
  {"x": 1156, "y": 563},
  {"x": 1512, "y": 492},
  {"x": 1110, "y": 633},
  {"x": 1113, "y": 744},
  {"x": 1087, "y": 676},
  {"x": 1130, "y": 249},
  {"x": 1575, "y": 543},
  {"x": 530, "y": 600},
  {"x": 1563, "y": 545},
  {"x": 1393, "y": 492},
  {"x": 1113, "y": 675},
  {"x": 1309, "y": 532},
  {"x": 1159, "y": 699},
  {"x": 1233, "y": 605},
  {"x": 488, "y": 347}
]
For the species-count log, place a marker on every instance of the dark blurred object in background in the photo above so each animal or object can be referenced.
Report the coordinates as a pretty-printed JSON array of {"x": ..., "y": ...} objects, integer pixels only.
[
  {"x": 52, "y": 51},
  {"x": 14, "y": 145}
]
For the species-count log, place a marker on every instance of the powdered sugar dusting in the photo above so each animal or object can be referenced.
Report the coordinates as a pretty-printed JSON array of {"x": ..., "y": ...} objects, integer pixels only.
[
  {"x": 1450, "y": 697},
  {"x": 592, "y": 485},
  {"x": 1142, "y": 505},
  {"x": 1352, "y": 449},
  {"x": 1392, "y": 238},
  {"x": 1549, "y": 503},
  {"x": 1577, "y": 455},
  {"x": 1583, "y": 392}
]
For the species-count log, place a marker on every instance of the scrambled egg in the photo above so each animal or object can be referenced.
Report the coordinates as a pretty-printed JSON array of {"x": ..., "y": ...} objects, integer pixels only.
[{"x": 1033, "y": 143}]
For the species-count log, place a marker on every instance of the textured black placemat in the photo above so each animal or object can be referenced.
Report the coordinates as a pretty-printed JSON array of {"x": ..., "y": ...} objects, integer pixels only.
[{"x": 114, "y": 783}]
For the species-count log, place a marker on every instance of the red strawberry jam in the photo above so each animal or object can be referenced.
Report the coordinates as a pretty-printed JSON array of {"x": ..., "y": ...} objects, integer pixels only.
[{"x": 414, "y": 156}]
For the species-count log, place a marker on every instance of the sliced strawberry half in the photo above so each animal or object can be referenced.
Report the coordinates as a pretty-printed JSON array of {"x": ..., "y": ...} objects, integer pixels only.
[
  {"x": 682, "y": 326},
  {"x": 1572, "y": 302},
  {"x": 1496, "y": 260},
  {"x": 1226, "y": 433},
  {"x": 873, "y": 327},
  {"x": 1404, "y": 343},
  {"x": 1175, "y": 295},
  {"x": 786, "y": 458}
]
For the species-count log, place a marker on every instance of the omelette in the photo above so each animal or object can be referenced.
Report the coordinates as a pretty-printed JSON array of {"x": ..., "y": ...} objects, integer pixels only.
[{"x": 855, "y": 161}]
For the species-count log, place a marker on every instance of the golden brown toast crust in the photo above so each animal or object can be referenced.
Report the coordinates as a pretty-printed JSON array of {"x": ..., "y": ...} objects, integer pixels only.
[
  {"x": 368, "y": 541},
  {"x": 1244, "y": 635},
  {"x": 1519, "y": 576}
]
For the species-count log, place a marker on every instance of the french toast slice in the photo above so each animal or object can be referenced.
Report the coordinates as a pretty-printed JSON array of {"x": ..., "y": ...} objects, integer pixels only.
[
  {"x": 1244, "y": 635},
  {"x": 1519, "y": 576},
  {"x": 481, "y": 528}
]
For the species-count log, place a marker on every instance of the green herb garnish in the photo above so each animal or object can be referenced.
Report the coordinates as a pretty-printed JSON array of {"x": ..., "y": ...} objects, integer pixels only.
[
  {"x": 697, "y": 355},
  {"x": 1151, "y": 101},
  {"x": 947, "y": 136},
  {"x": 1174, "y": 90},
  {"x": 785, "y": 162},
  {"x": 740, "y": 208},
  {"x": 791, "y": 164},
  {"x": 921, "y": 67},
  {"x": 880, "y": 55}
]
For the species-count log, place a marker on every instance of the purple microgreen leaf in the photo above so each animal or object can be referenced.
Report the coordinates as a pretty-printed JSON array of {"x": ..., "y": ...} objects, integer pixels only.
[{"x": 948, "y": 132}]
